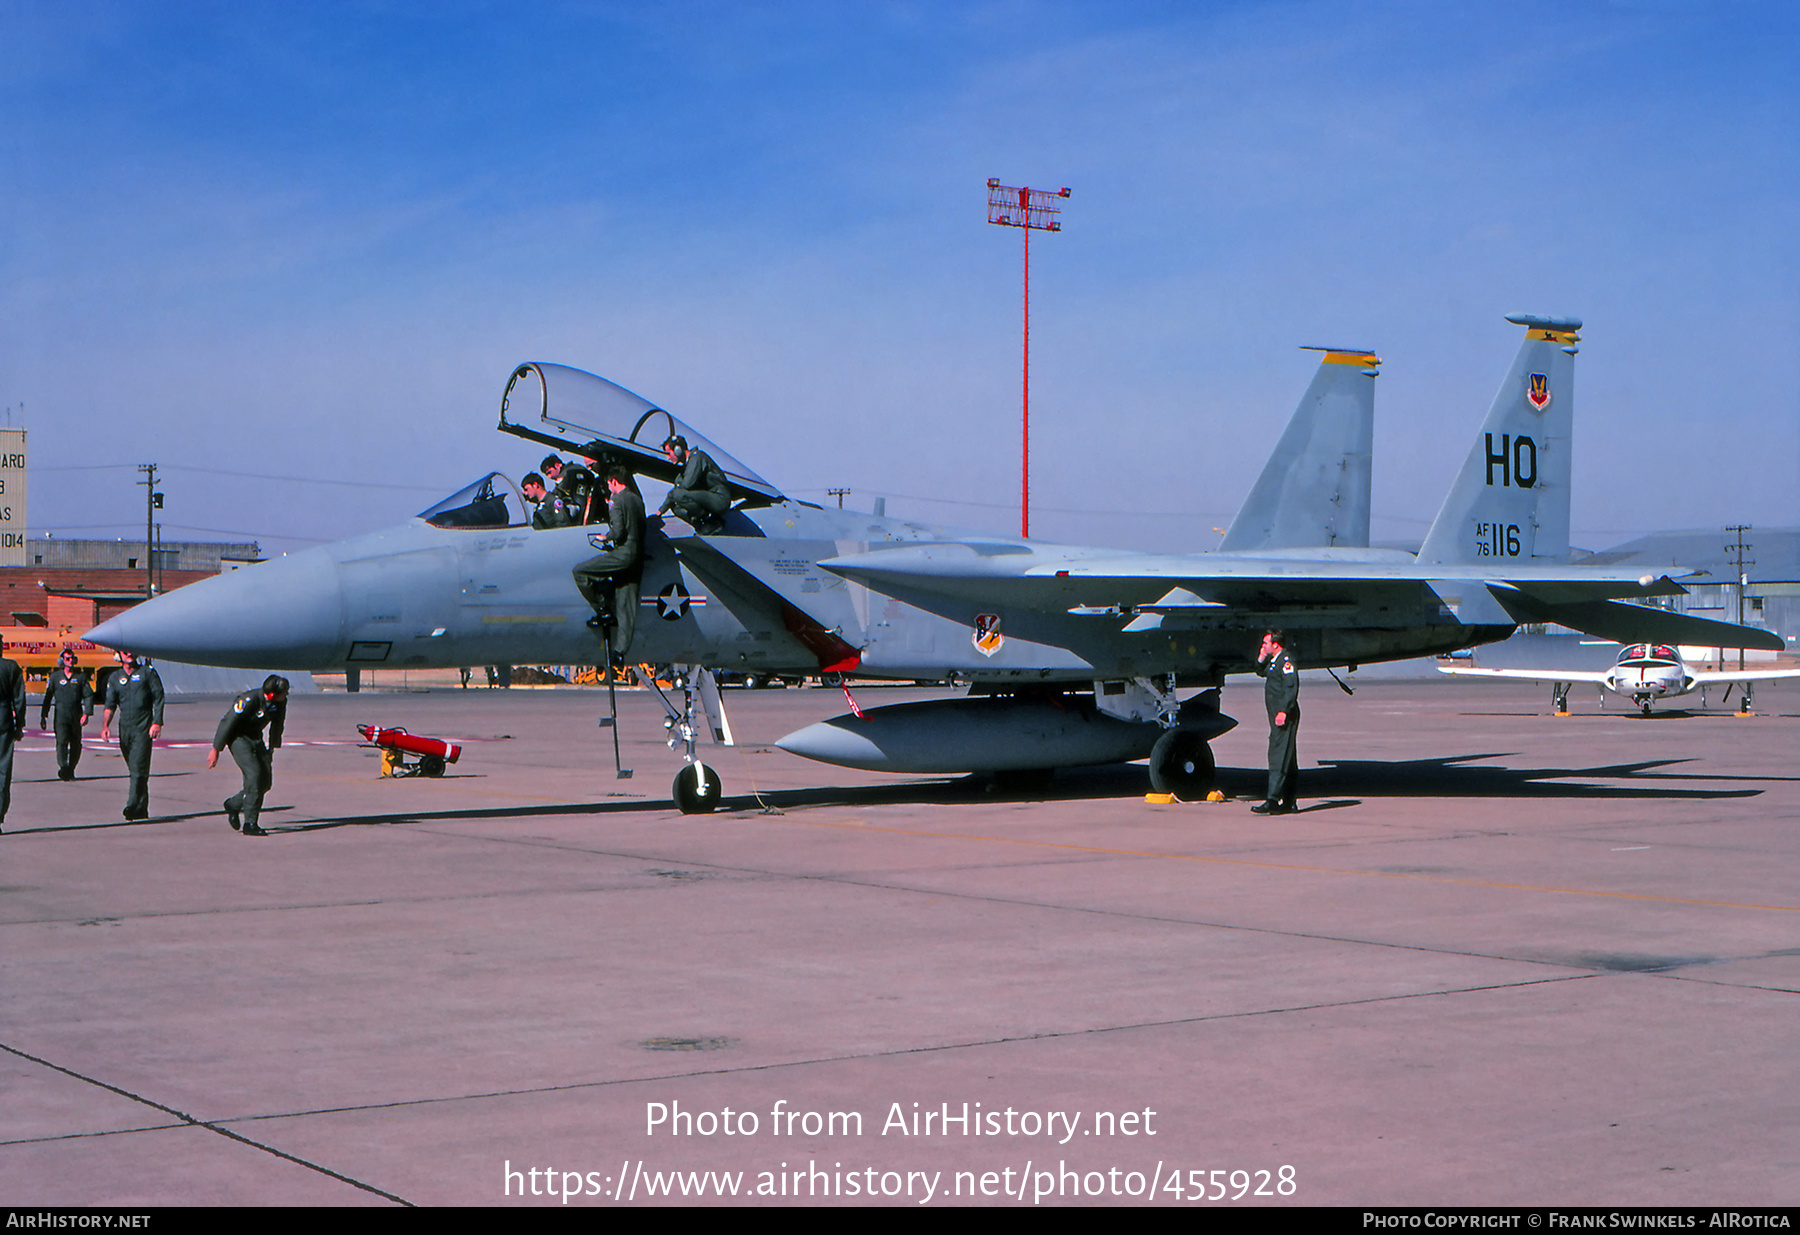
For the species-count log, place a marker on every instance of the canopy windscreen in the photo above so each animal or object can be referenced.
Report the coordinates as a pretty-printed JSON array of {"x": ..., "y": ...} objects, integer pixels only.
[{"x": 490, "y": 502}]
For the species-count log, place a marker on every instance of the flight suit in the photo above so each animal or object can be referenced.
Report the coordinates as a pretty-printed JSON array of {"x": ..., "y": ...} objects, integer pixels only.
[
  {"x": 12, "y": 725},
  {"x": 70, "y": 699},
  {"x": 581, "y": 495},
  {"x": 621, "y": 565},
  {"x": 241, "y": 728},
  {"x": 552, "y": 512},
  {"x": 1281, "y": 693},
  {"x": 137, "y": 701},
  {"x": 701, "y": 494}
]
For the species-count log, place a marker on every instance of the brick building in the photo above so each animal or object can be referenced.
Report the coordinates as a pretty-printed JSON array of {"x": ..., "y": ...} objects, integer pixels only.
[{"x": 80, "y": 583}]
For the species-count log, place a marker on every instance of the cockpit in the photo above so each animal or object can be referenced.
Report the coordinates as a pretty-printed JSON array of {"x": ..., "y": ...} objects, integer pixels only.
[
  {"x": 1648, "y": 656},
  {"x": 491, "y": 502}
]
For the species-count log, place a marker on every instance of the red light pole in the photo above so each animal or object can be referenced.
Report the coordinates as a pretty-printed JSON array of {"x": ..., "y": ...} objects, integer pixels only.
[{"x": 1028, "y": 210}]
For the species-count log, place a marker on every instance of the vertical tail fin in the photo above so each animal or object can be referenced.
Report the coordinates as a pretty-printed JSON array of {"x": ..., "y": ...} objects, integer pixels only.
[
  {"x": 1314, "y": 490},
  {"x": 1511, "y": 499}
]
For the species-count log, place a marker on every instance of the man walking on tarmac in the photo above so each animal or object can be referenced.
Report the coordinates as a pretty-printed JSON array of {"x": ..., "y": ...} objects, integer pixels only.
[
  {"x": 69, "y": 696},
  {"x": 1281, "y": 696},
  {"x": 241, "y": 728},
  {"x": 136, "y": 695},
  {"x": 618, "y": 570},
  {"x": 12, "y": 725}
]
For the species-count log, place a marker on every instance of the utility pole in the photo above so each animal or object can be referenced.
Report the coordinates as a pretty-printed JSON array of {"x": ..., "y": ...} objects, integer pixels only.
[
  {"x": 839, "y": 495},
  {"x": 1029, "y": 210},
  {"x": 152, "y": 503},
  {"x": 1738, "y": 548}
]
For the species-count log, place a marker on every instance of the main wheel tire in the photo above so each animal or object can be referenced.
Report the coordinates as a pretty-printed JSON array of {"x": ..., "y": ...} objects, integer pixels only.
[
  {"x": 431, "y": 765},
  {"x": 1181, "y": 763},
  {"x": 694, "y": 796}
]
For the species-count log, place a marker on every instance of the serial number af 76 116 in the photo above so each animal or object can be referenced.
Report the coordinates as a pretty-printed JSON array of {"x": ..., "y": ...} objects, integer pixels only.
[{"x": 1497, "y": 539}]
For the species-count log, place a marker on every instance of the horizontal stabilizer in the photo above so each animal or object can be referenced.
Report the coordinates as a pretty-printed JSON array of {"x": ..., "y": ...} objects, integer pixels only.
[{"x": 1626, "y": 623}]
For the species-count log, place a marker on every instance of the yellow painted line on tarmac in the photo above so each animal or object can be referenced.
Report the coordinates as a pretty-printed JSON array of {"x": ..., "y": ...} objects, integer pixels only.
[{"x": 1291, "y": 866}]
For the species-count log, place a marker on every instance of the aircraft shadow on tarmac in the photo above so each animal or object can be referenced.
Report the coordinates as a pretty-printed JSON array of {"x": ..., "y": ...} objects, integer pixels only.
[
  {"x": 1450, "y": 776},
  {"x": 1334, "y": 785}
]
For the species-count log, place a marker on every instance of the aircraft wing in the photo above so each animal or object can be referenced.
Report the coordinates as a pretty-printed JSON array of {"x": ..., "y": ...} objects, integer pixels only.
[
  {"x": 1705, "y": 677},
  {"x": 1150, "y": 589},
  {"x": 1054, "y": 579},
  {"x": 1533, "y": 675}
]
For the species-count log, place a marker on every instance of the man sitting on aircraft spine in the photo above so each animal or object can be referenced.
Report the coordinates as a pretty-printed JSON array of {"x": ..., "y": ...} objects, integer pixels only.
[
  {"x": 610, "y": 581},
  {"x": 701, "y": 494}
]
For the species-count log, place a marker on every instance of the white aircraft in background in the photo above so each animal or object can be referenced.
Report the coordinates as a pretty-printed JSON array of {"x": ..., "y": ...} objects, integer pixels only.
[{"x": 1646, "y": 672}]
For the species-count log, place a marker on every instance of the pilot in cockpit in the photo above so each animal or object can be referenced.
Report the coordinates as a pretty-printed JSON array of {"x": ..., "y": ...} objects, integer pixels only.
[{"x": 546, "y": 510}]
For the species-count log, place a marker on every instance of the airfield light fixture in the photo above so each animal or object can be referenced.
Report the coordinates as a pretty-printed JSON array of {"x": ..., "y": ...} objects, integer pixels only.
[{"x": 1028, "y": 210}]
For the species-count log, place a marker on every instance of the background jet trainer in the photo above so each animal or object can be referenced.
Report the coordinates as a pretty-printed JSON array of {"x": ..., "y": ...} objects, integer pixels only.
[
  {"x": 1644, "y": 673},
  {"x": 1075, "y": 655}
]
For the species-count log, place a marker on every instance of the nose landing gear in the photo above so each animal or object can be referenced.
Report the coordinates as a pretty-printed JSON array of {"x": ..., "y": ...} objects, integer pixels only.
[{"x": 697, "y": 788}]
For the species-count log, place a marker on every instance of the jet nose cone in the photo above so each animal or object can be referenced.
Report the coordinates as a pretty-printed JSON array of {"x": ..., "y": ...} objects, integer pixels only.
[{"x": 283, "y": 614}]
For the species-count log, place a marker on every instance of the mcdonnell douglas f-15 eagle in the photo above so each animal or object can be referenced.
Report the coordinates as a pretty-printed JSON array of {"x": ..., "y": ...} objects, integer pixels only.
[{"x": 1073, "y": 655}]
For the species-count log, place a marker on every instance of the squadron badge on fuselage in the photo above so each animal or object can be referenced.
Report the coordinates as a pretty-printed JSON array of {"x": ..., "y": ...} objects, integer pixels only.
[{"x": 987, "y": 637}]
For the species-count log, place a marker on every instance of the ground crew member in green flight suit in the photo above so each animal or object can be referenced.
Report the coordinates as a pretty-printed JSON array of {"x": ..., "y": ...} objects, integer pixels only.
[
  {"x": 67, "y": 695},
  {"x": 701, "y": 494},
  {"x": 1281, "y": 696},
  {"x": 619, "y": 569},
  {"x": 12, "y": 725},
  {"x": 241, "y": 729},
  {"x": 135, "y": 694}
]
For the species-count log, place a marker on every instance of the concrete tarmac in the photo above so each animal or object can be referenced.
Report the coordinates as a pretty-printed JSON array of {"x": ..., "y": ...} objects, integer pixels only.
[{"x": 1499, "y": 958}]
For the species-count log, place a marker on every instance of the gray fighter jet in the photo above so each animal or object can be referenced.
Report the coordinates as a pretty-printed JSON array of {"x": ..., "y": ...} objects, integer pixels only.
[{"x": 1072, "y": 655}]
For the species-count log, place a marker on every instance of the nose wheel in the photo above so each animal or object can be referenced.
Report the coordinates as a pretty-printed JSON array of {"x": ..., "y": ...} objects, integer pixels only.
[{"x": 696, "y": 789}]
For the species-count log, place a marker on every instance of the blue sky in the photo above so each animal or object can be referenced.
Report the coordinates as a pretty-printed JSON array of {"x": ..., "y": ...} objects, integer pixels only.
[{"x": 311, "y": 241}]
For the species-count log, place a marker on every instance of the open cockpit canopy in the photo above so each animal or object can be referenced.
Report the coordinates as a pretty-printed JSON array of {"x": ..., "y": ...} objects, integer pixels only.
[
  {"x": 570, "y": 410},
  {"x": 490, "y": 502}
]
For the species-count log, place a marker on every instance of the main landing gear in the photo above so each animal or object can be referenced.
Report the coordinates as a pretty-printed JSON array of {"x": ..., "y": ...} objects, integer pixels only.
[{"x": 1181, "y": 763}]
